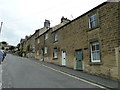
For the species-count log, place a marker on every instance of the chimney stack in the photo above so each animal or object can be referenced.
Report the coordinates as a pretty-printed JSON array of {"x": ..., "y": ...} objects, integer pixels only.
[
  {"x": 64, "y": 20},
  {"x": 47, "y": 23}
]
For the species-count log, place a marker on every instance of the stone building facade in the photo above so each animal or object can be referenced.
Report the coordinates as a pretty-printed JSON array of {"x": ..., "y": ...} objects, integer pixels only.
[
  {"x": 40, "y": 41},
  {"x": 27, "y": 46},
  {"x": 44, "y": 41},
  {"x": 88, "y": 42},
  {"x": 39, "y": 48}
]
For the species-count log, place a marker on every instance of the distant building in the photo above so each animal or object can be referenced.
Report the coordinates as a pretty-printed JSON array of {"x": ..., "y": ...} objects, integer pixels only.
[
  {"x": 42, "y": 41},
  {"x": 39, "y": 40},
  {"x": 4, "y": 45},
  {"x": 27, "y": 46}
]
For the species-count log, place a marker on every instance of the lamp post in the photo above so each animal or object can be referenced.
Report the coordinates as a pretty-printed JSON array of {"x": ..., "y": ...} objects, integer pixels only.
[{"x": 1, "y": 26}]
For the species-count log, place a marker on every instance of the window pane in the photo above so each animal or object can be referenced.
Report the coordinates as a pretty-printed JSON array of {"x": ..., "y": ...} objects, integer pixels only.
[
  {"x": 55, "y": 53},
  {"x": 45, "y": 50},
  {"x": 93, "y": 55},
  {"x": 97, "y": 56},
  {"x": 95, "y": 52},
  {"x": 93, "y": 24},
  {"x": 46, "y": 36},
  {"x": 38, "y": 40},
  {"x": 93, "y": 21},
  {"x": 94, "y": 17},
  {"x": 93, "y": 48},
  {"x": 97, "y": 47},
  {"x": 56, "y": 37},
  {"x": 38, "y": 52}
]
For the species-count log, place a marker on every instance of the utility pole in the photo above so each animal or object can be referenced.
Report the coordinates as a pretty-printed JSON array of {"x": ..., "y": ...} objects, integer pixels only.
[{"x": 1, "y": 26}]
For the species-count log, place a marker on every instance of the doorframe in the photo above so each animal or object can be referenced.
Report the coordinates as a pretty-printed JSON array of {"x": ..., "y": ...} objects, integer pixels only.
[
  {"x": 76, "y": 60},
  {"x": 42, "y": 54},
  {"x": 62, "y": 58}
]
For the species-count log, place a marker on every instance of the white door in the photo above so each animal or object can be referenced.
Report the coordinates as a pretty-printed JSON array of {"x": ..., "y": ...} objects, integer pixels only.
[{"x": 63, "y": 58}]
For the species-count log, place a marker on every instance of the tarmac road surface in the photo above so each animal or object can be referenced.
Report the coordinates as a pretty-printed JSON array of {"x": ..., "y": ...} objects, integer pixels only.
[{"x": 19, "y": 72}]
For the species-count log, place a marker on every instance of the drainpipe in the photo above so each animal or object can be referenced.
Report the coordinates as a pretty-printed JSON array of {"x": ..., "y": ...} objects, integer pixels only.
[{"x": 43, "y": 47}]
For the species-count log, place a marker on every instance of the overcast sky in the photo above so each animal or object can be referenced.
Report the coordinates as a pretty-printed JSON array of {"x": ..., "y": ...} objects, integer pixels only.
[{"x": 23, "y": 17}]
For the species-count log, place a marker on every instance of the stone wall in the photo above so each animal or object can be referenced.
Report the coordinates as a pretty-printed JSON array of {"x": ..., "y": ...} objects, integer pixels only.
[{"x": 77, "y": 36}]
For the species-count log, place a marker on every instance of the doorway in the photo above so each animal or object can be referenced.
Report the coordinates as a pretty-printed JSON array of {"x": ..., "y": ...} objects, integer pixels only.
[
  {"x": 79, "y": 57},
  {"x": 63, "y": 58}
]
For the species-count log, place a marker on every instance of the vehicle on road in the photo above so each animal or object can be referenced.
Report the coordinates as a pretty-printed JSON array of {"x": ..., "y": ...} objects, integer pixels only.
[{"x": 2, "y": 55}]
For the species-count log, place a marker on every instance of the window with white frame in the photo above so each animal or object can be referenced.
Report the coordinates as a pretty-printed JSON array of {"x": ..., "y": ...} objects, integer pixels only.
[
  {"x": 56, "y": 36},
  {"x": 38, "y": 40},
  {"x": 55, "y": 53},
  {"x": 93, "y": 21},
  {"x": 33, "y": 48},
  {"x": 45, "y": 50},
  {"x": 37, "y": 52},
  {"x": 46, "y": 36},
  {"x": 95, "y": 52}
]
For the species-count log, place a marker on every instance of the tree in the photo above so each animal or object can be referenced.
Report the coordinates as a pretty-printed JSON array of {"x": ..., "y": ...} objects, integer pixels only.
[
  {"x": 3, "y": 42},
  {"x": 3, "y": 48},
  {"x": 11, "y": 48}
]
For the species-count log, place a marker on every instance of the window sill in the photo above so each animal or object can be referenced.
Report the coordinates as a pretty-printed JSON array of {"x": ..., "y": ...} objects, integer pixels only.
[
  {"x": 96, "y": 63},
  {"x": 55, "y": 58},
  {"x": 46, "y": 39},
  {"x": 90, "y": 29},
  {"x": 55, "y": 41}
]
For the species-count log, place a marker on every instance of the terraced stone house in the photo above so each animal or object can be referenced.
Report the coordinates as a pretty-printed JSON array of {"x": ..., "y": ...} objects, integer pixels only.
[{"x": 90, "y": 43}]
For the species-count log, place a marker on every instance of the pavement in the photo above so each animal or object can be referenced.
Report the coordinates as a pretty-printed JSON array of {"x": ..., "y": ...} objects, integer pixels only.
[{"x": 106, "y": 82}]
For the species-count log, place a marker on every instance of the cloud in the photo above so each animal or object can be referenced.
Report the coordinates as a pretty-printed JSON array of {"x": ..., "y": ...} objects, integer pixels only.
[{"x": 23, "y": 17}]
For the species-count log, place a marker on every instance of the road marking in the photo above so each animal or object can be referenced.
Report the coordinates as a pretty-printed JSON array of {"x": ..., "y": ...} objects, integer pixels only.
[
  {"x": 78, "y": 78},
  {"x": 75, "y": 77}
]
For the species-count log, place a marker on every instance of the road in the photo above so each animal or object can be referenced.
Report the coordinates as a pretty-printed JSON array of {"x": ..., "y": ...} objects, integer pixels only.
[{"x": 19, "y": 72}]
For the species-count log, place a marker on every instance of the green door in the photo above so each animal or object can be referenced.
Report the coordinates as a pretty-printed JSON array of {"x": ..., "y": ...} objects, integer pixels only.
[{"x": 79, "y": 59}]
